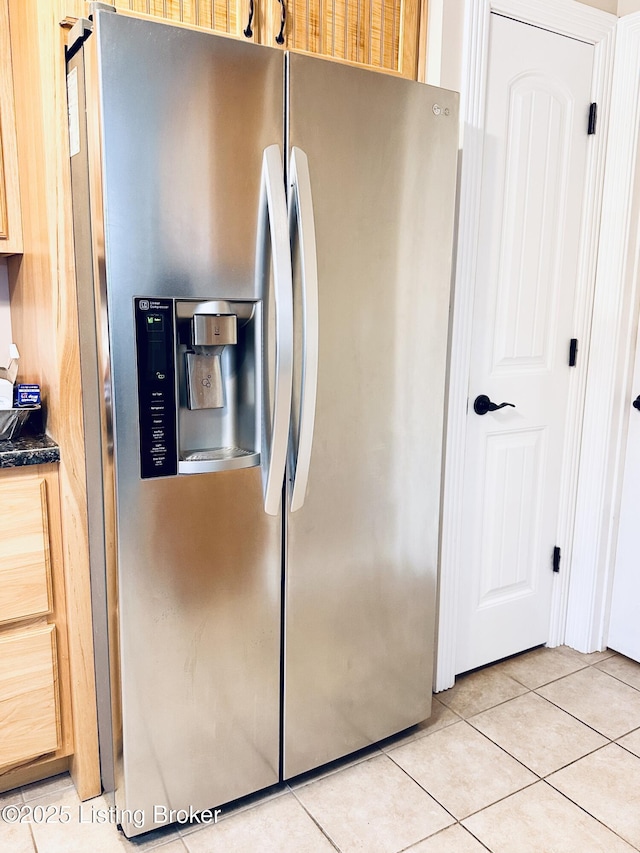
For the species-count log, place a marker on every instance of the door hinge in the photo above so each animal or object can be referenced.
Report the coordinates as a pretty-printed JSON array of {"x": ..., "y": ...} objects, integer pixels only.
[
  {"x": 556, "y": 559},
  {"x": 573, "y": 352},
  {"x": 593, "y": 117}
]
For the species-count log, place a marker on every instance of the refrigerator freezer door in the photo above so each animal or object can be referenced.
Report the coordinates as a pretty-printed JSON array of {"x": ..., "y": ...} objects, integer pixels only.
[
  {"x": 362, "y": 551},
  {"x": 184, "y": 120}
]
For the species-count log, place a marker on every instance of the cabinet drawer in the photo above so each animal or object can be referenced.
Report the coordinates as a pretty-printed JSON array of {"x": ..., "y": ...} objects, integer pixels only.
[
  {"x": 25, "y": 574},
  {"x": 29, "y": 718}
]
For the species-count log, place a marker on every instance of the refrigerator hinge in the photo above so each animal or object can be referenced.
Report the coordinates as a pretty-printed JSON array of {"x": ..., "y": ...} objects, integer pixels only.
[
  {"x": 83, "y": 28},
  {"x": 78, "y": 34},
  {"x": 573, "y": 352},
  {"x": 593, "y": 116},
  {"x": 556, "y": 559}
]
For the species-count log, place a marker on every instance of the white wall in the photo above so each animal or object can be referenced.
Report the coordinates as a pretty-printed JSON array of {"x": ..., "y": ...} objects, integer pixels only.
[
  {"x": 446, "y": 33},
  {"x": 5, "y": 314},
  {"x": 627, "y": 7}
]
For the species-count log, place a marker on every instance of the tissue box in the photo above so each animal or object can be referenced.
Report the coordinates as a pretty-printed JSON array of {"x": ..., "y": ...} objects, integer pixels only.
[{"x": 27, "y": 395}]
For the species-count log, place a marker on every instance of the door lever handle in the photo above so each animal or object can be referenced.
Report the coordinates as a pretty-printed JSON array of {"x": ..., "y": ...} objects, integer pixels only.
[
  {"x": 482, "y": 405},
  {"x": 636, "y": 403}
]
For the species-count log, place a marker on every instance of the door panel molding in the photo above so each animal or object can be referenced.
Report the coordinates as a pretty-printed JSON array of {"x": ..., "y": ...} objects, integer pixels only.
[
  {"x": 516, "y": 458},
  {"x": 597, "y": 28},
  {"x": 608, "y": 391}
]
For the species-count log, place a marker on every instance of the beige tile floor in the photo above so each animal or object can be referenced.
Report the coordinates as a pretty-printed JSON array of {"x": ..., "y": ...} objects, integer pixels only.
[{"x": 537, "y": 754}]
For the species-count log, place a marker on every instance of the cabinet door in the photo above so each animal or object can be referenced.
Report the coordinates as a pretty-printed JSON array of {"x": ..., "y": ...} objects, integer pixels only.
[
  {"x": 223, "y": 16},
  {"x": 25, "y": 575},
  {"x": 10, "y": 222},
  {"x": 376, "y": 33},
  {"x": 28, "y": 695}
]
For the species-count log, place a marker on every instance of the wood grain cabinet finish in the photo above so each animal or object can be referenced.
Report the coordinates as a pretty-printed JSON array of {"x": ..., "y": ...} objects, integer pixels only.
[
  {"x": 10, "y": 220},
  {"x": 25, "y": 573},
  {"x": 35, "y": 707},
  {"x": 29, "y": 717},
  {"x": 381, "y": 34}
]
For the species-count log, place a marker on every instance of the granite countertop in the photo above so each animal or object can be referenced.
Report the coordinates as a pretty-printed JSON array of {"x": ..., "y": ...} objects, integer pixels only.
[{"x": 28, "y": 450}]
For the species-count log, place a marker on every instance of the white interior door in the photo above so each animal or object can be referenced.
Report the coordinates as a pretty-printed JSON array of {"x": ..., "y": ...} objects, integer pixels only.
[
  {"x": 624, "y": 622},
  {"x": 533, "y": 183}
]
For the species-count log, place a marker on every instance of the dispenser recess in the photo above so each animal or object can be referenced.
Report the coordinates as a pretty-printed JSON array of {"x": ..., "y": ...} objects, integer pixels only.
[{"x": 218, "y": 420}]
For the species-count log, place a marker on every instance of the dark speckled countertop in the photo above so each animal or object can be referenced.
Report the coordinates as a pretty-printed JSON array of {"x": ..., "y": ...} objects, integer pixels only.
[{"x": 28, "y": 450}]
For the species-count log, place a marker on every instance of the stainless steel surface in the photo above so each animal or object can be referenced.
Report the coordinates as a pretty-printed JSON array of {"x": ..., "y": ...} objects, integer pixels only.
[
  {"x": 275, "y": 249},
  {"x": 362, "y": 551},
  {"x": 303, "y": 235},
  {"x": 198, "y": 561},
  {"x": 214, "y": 330},
  {"x": 86, "y": 228}
]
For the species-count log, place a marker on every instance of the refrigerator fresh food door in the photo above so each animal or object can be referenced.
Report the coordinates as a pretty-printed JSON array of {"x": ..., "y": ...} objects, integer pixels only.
[
  {"x": 185, "y": 119},
  {"x": 362, "y": 542}
]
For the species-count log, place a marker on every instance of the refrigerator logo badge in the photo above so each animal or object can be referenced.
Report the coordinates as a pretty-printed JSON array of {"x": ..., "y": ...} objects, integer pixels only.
[
  {"x": 438, "y": 110},
  {"x": 144, "y": 304}
]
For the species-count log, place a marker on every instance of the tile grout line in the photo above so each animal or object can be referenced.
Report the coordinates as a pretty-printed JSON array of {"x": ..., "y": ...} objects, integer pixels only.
[
  {"x": 422, "y": 788},
  {"x": 584, "y": 723},
  {"x": 582, "y": 809},
  {"x": 316, "y": 822},
  {"x": 617, "y": 677}
]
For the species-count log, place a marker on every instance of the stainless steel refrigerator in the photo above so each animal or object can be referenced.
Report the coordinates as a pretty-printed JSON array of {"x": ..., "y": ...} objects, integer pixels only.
[{"x": 263, "y": 251}]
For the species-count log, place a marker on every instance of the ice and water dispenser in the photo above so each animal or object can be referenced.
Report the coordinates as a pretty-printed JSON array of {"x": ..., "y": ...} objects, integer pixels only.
[{"x": 198, "y": 395}]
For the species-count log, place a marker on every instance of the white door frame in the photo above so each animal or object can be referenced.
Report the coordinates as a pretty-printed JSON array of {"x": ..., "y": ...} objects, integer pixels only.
[
  {"x": 573, "y": 19},
  {"x": 615, "y": 319}
]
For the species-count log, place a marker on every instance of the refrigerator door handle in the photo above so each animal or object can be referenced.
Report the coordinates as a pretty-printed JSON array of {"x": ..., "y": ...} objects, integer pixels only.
[
  {"x": 301, "y": 217},
  {"x": 273, "y": 225}
]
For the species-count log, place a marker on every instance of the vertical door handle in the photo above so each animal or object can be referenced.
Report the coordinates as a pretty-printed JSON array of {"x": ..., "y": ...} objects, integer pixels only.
[
  {"x": 301, "y": 218},
  {"x": 273, "y": 221}
]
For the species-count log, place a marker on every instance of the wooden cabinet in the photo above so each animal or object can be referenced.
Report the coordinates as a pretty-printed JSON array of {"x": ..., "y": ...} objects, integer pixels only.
[
  {"x": 34, "y": 688},
  {"x": 10, "y": 223},
  {"x": 223, "y": 16},
  {"x": 29, "y": 698},
  {"x": 25, "y": 567},
  {"x": 382, "y": 34}
]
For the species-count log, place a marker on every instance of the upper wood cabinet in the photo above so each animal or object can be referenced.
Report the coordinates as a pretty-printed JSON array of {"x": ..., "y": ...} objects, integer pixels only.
[
  {"x": 10, "y": 223},
  {"x": 382, "y": 34}
]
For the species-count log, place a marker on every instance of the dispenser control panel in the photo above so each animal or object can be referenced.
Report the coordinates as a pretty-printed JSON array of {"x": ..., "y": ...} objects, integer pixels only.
[{"x": 156, "y": 387}]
